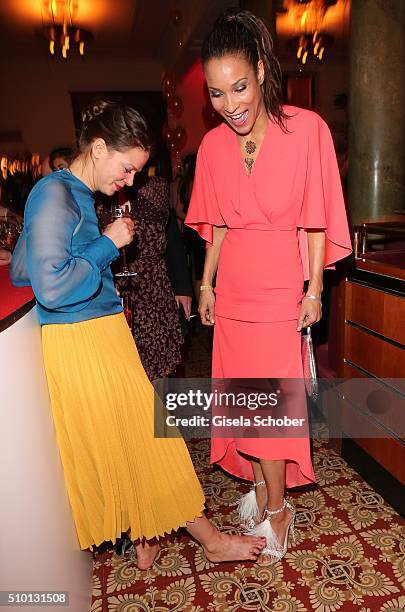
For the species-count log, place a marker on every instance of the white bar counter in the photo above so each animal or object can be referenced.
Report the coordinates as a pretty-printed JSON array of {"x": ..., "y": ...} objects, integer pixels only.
[{"x": 39, "y": 550}]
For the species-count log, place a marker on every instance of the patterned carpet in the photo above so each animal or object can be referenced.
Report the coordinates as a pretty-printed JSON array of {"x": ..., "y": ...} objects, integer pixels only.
[{"x": 349, "y": 554}]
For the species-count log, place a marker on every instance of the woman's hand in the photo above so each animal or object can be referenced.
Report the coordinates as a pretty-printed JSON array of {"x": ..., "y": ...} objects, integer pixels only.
[
  {"x": 206, "y": 306},
  {"x": 311, "y": 312},
  {"x": 121, "y": 231},
  {"x": 185, "y": 302}
]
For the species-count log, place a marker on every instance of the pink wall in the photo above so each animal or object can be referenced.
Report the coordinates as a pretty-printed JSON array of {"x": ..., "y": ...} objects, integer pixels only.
[
  {"x": 197, "y": 116},
  {"x": 191, "y": 90}
]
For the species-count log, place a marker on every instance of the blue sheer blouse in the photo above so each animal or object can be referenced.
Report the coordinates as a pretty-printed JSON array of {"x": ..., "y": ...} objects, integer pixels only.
[{"x": 62, "y": 255}]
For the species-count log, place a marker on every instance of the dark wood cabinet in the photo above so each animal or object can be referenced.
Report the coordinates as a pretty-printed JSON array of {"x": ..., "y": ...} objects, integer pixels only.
[{"x": 372, "y": 345}]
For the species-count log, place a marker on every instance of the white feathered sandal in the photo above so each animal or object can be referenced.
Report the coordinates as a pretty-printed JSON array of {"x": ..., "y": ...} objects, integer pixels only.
[
  {"x": 273, "y": 548},
  {"x": 247, "y": 507}
]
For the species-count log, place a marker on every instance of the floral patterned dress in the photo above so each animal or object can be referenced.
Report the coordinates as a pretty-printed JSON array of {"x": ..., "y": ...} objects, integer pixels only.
[{"x": 156, "y": 323}]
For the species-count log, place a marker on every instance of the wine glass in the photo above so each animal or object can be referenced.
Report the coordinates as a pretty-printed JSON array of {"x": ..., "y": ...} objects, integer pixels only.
[
  {"x": 117, "y": 212},
  {"x": 9, "y": 232}
]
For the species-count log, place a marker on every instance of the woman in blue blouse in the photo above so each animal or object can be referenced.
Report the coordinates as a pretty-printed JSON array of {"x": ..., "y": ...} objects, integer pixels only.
[{"x": 118, "y": 476}]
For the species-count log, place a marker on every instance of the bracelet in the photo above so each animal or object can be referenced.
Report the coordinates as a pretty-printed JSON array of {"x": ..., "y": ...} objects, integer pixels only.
[
  {"x": 202, "y": 287},
  {"x": 313, "y": 297}
]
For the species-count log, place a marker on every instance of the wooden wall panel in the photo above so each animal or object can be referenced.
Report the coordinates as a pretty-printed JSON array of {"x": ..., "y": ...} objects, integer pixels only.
[
  {"x": 373, "y": 354},
  {"x": 389, "y": 452},
  {"x": 371, "y": 329},
  {"x": 381, "y": 312}
]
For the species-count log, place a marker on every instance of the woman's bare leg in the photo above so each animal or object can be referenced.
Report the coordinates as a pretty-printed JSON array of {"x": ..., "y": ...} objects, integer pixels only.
[
  {"x": 217, "y": 546},
  {"x": 261, "y": 491},
  {"x": 146, "y": 553},
  {"x": 274, "y": 475},
  {"x": 223, "y": 547}
]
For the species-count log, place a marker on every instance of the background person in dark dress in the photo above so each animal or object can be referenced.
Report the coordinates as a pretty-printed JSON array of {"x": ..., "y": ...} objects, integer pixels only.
[
  {"x": 156, "y": 322},
  {"x": 180, "y": 195}
]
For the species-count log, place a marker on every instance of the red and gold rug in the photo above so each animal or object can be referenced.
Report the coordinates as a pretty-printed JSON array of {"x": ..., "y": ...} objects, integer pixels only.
[{"x": 349, "y": 555}]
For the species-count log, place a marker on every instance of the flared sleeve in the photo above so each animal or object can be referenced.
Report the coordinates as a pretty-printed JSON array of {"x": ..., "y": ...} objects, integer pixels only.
[
  {"x": 323, "y": 205},
  {"x": 203, "y": 212},
  {"x": 61, "y": 281}
]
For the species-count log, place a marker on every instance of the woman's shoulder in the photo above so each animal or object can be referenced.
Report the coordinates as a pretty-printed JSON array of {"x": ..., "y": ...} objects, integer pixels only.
[
  {"x": 215, "y": 137},
  {"x": 302, "y": 118},
  {"x": 52, "y": 187},
  {"x": 158, "y": 181},
  {"x": 51, "y": 183},
  {"x": 156, "y": 190}
]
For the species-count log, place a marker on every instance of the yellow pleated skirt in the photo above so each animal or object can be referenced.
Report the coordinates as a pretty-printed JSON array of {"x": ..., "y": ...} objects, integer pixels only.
[{"x": 118, "y": 475}]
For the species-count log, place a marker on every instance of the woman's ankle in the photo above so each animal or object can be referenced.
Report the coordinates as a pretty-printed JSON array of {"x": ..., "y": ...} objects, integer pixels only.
[
  {"x": 215, "y": 543},
  {"x": 202, "y": 530}
]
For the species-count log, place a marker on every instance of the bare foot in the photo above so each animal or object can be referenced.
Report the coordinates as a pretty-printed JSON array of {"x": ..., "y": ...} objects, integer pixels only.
[
  {"x": 146, "y": 554},
  {"x": 226, "y": 547}
]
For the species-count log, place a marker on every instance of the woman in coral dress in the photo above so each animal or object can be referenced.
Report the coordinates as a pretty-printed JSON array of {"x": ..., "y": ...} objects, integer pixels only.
[{"x": 268, "y": 201}]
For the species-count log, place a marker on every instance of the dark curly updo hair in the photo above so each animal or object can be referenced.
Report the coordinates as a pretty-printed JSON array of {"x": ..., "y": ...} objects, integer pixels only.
[
  {"x": 121, "y": 126},
  {"x": 241, "y": 32}
]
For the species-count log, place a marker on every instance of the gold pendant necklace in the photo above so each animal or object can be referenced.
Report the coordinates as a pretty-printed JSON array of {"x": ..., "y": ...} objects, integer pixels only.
[{"x": 250, "y": 148}]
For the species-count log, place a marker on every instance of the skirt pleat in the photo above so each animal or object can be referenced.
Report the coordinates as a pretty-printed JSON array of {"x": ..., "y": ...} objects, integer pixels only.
[{"x": 118, "y": 475}]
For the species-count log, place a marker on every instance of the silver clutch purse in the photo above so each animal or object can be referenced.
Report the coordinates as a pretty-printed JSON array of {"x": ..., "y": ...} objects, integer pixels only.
[{"x": 309, "y": 364}]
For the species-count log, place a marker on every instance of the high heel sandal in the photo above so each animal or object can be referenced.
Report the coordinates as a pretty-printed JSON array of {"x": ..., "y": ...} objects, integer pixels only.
[
  {"x": 247, "y": 507},
  {"x": 273, "y": 548}
]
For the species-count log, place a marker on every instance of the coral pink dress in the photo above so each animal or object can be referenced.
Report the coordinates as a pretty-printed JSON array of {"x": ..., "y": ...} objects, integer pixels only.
[{"x": 294, "y": 186}]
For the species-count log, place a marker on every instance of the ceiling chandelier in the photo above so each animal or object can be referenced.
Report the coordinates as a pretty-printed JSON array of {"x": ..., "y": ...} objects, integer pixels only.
[
  {"x": 59, "y": 29},
  {"x": 311, "y": 42}
]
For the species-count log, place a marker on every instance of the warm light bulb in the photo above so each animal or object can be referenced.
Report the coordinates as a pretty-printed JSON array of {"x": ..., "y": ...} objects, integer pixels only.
[
  {"x": 81, "y": 48},
  {"x": 304, "y": 57},
  {"x": 3, "y": 166},
  {"x": 52, "y": 47},
  {"x": 316, "y": 48},
  {"x": 64, "y": 52},
  {"x": 321, "y": 52},
  {"x": 299, "y": 52}
]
